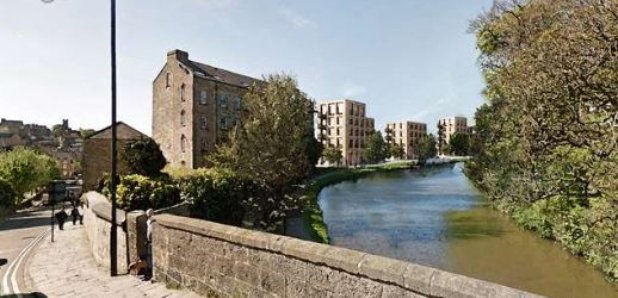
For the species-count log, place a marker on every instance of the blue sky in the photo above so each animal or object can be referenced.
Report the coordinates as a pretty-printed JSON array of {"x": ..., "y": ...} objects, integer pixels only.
[{"x": 407, "y": 59}]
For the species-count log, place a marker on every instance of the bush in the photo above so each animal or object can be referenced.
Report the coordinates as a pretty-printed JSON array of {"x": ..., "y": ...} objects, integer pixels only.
[
  {"x": 26, "y": 170},
  {"x": 137, "y": 192},
  {"x": 144, "y": 157},
  {"x": 7, "y": 194},
  {"x": 218, "y": 195}
]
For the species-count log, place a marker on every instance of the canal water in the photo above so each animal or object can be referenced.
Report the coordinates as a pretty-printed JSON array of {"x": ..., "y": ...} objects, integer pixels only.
[{"x": 435, "y": 217}]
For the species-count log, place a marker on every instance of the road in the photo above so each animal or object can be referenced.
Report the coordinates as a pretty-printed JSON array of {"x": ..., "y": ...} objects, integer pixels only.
[{"x": 16, "y": 236}]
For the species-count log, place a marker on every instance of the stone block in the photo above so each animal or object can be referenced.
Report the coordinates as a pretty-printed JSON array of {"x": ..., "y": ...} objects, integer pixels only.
[
  {"x": 342, "y": 258},
  {"x": 383, "y": 269},
  {"x": 418, "y": 278},
  {"x": 273, "y": 282},
  {"x": 246, "y": 273}
]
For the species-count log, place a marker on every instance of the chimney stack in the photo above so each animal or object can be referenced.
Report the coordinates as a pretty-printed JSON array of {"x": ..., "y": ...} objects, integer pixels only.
[{"x": 178, "y": 55}]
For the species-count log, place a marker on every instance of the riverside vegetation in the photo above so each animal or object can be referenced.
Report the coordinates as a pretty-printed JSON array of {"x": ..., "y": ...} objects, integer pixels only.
[{"x": 547, "y": 140}]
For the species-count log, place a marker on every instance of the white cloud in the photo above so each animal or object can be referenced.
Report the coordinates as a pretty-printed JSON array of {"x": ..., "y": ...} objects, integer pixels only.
[
  {"x": 353, "y": 90},
  {"x": 296, "y": 19},
  {"x": 217, "y": 4},
  {"x": 431, "y": 108}
]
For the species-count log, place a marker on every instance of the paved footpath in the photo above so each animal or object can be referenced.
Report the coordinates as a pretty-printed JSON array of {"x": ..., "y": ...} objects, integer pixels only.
[{"x": 66, "y": 268}]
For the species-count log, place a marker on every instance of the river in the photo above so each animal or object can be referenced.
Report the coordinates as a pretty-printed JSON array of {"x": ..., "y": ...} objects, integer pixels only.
[{"x": 435, "y": 217}]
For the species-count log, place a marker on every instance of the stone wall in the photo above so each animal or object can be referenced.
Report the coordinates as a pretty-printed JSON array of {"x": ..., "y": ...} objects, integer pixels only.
[
  {"x": 218, "y": 260},
  {"x": 97, "y": 220}
]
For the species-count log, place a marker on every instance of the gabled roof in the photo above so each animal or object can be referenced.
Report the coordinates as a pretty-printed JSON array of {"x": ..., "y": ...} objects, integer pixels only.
[
  {"x": 218, "y": 74},
  {"x": 123, "y": 132}
]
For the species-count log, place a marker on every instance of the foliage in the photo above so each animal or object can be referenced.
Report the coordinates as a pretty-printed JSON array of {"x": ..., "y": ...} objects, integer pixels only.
[
  {"x": 137, "y": 192},
  {"x": 314, "y": 150},
  {"x": 426, "y": 148},
  {"x": 547, "y": 139},
  {"x": 271, "y": 148},
  {"x": 25, "y": 170},
  {"x": 375, "y": 149},
  {"x": 7, "y": 194},
  {"x": 332, "y": 155},
  {"x": 218, "y": 195},
  {"x": 396, "y": 151},
  {"x": 143, "y": 157},
  {"x": 460, "y": 144},
  {"x": 85, "y": 133}
]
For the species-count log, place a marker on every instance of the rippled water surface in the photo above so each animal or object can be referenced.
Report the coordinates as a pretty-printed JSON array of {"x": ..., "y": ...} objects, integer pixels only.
[{"x": 435, "y": 217}]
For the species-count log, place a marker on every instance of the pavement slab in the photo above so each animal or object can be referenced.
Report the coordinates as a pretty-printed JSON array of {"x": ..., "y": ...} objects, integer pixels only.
[{"x": 66, "y": 268}]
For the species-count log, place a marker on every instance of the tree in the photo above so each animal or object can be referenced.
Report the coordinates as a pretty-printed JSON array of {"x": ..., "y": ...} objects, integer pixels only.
[
  {"x": 548, "y": 134},
  {"x": 375, "y": 150},
  {"x": 85, "y": 133},
  {"x": 25, "y": 170},
  {"x": 460, "y": 144},
  {"x": 426, "y": 148},
  {"x": 332, "y": 155},
  {"x": 7, "y": 194},
  {"x": 144, "y": 157},
  {"x": 397, "y": 151},
  {"x": 442, "y": 139},
  {"x": 271, "y": 148}
]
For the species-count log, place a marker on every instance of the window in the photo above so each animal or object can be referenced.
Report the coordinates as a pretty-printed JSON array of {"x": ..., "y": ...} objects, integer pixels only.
[
  {"x": 183, "y": 118},
  {"x": 183, "y": 143},
  {"x": 222, "y": 98},
  {"x": 203, "y": 97},
  {"x": 182, "y": 92},
  {"x": 204, "y": 122},
  {"x": 168, "y": 80},
  {"x": 223, "y": 123},
  {"x": 237, "y": 102}
]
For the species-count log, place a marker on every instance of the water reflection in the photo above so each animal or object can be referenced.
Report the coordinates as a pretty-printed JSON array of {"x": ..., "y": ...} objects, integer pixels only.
[{"x": 436, "y": 218}]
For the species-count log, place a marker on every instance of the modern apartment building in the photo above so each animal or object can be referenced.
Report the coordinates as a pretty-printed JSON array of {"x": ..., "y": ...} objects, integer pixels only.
[
  {"x": 447, "y": 127},
  {"x": 407, "y": 134},
  {"x": 194, "y": 107},
  {"x": 343, "y": 124}
]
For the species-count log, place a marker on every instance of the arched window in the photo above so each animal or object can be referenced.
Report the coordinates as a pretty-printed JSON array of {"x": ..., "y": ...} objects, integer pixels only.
[
  {"x": 183, "y": 143},
  {"x": 183, "y": 118},
  {"x": 182, "y": 92}
]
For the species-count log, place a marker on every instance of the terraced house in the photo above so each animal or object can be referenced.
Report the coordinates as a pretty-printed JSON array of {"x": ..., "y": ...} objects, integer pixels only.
[
  {"x": 194, "y": 107},
  {"x": 343, "y": 124}
]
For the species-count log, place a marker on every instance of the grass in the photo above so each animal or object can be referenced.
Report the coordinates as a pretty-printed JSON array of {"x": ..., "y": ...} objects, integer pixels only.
[{"x": 312, "y": 214}]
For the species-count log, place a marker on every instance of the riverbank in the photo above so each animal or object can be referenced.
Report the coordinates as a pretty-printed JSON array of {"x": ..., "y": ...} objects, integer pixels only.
[{"x": 587, "y": 231}]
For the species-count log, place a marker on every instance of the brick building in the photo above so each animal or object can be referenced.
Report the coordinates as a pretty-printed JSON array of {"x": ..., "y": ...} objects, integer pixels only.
[
  {"x": 447, "y": 127},
  {"x": 343, "y": 124},
  {"x": 194, "y": 107},
  {"x": 407, "y": 134},
  {"x": 97, "y": 153}
]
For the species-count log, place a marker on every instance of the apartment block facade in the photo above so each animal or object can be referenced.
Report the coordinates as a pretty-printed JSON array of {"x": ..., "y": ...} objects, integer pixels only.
[
  {"x": 407, "y": 134},
  {"x": 447, "y": 127},
  {"x": 194, "y": 107},
  {"x": 344, "y": 124}
]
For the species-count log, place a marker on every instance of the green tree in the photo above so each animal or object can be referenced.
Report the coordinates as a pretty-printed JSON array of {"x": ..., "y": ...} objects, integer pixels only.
[
  {"x": 460, "y": 144},
  {"x": 85, "y": 133},
  {"x": 25, "y": 170},
  {"x": 547, "y": 136},
  {"x": 143, "y": 157},
  {"x": 426, "y": 148},
  {"x": 397, "y": 151},
  {"x": 271, "y": 148},
  {"x": 376, "y": 149},
  {"x": 332, "y": 155},
  {"x": 7, "y": 194}
]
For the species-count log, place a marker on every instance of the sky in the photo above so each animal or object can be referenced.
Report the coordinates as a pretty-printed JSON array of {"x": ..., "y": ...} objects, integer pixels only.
[{"x": 406, "y": 59}]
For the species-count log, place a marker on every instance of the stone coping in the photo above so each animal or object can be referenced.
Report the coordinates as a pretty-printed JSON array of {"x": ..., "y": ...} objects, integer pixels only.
[
  {"x": 102, "y": 208},
  {"x": 420, "y": 279}
]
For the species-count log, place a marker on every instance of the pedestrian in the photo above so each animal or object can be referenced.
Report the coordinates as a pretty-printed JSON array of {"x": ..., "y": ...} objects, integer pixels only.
[
  {"x": 74, "y": 213},
  {"x": 80, "y": 210},
  {"x": 149, "y": 227},
  {"x": 61, "y": 217}
]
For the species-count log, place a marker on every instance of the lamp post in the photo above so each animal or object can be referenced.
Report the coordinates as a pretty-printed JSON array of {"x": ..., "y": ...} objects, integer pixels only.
[{"x": 114, "y": 233}]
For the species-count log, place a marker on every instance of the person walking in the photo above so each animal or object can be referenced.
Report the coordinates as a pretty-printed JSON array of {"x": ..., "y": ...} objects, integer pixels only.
[
  {"x": 74, "y": 213},
  {"x": 61, "y": 217},
  {"x": 80, "y": 212}
]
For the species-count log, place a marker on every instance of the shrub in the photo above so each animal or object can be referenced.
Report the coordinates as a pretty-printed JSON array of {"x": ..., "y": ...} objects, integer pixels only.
[
  {"x": 218, "y": 195},
  {"x": 137, "y": 192},
  {"x": 144, "y": 157},
  {"x": 7, "y": 194}
]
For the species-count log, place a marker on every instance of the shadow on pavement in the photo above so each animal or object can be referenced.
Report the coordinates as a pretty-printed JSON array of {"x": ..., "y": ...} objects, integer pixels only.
[
  {"x": 27, "y": 295},
  {"x": 3, "y": 262},
  {"x": 14, "y": 223}
]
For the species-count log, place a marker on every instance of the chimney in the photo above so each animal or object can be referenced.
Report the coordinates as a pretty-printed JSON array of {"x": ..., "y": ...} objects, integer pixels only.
[{"x": 178, "y": 55}]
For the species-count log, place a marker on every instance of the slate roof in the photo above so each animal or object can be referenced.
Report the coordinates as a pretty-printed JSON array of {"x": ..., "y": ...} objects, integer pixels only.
[
  {"x": 223, "y": 75},
  {"x": 123, "y": 132}
]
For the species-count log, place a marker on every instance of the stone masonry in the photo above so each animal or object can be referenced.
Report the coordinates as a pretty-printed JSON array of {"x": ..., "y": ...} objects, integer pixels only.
[{"x": 222, "y": 261}]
